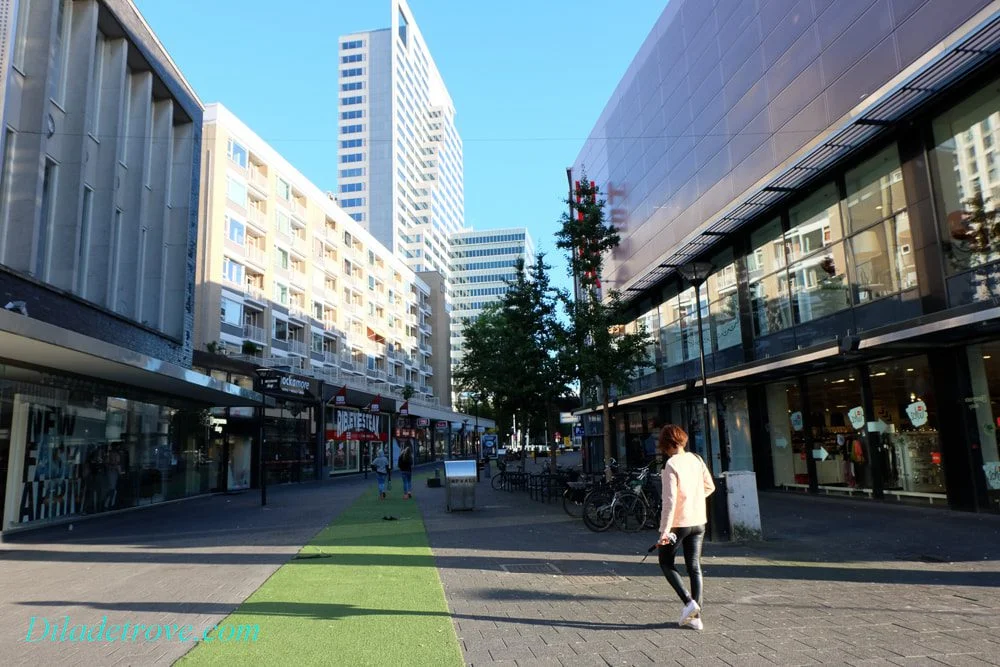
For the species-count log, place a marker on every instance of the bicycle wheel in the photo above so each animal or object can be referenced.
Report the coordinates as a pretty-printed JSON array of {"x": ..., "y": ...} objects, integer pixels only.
[
  {"x": 571, "y": 504},
  {"x": 598, "y": 512},
  {"x": 629, "y": 512},
  {"x": 498, "y": 480}
]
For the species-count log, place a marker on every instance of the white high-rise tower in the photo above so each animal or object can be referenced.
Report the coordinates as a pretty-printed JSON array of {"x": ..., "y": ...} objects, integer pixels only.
[{"x": 399, "y": 155}]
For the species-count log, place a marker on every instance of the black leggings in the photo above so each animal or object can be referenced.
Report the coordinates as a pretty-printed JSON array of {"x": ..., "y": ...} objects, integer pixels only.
[{"x": 691, "y": 538}]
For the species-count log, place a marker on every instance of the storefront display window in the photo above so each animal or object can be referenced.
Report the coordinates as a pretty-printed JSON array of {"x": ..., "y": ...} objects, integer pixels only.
[
  {"x": 984, "y": 369},
  {"x": 735, "y": 419},
  {"x": 840, "y": 442},
  {"x": 785, "y": 426},
  {"x": 906, "y": 420},
  {"x": 77, "y": 451},
  {"x": 968, "y": 189}
]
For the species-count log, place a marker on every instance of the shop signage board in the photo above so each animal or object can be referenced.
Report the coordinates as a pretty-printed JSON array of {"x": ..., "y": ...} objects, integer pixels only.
[
  {"x": 423, "y": 422},
  {"x": 280, "y": 384},
  {"x": 441, "y": 426},
  {"x": 354, "y": 425}
]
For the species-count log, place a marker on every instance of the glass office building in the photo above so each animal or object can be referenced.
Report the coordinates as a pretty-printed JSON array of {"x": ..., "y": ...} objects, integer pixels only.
[{"x": 836, "y": 164}]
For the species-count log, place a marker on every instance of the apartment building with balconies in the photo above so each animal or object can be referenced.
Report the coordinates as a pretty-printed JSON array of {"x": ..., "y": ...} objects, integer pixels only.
[{"x": 286, "y": 278}]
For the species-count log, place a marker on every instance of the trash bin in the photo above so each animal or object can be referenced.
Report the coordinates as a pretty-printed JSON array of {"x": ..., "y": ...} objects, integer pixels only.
[{"x": 460, "y": 485}]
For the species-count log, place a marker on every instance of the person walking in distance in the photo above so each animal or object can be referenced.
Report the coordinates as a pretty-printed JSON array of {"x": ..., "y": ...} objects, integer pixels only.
[
  {"x": 687, "y": 483},
  {"x": 405, "y": 465},
  {"x": 381, "y": 467}
]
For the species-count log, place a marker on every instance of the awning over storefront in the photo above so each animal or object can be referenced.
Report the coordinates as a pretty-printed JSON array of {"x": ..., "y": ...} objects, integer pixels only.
[{"x": 36, "y": 343}]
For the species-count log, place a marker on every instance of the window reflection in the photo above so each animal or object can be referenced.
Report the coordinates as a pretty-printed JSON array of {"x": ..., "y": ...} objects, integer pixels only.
[
  {"x": 770, "y": 304},
  {"x": 883, "y": 260},
  {"x": 814, "y": 224},
  {"x": 875, "y": 190},
  {"x": 819, "y": 285},
  {"x": 968, "y": 184}
]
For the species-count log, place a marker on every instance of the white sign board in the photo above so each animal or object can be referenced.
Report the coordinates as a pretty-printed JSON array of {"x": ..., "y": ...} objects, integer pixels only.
[
  {"x": 857, "y": 417},
  {"x": 917, "y": 412},
  {"x": 796, "y": 419}
]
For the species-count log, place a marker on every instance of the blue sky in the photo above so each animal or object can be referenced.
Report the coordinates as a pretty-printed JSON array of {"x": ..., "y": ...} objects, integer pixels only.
[{"x": 528, "y": 77}]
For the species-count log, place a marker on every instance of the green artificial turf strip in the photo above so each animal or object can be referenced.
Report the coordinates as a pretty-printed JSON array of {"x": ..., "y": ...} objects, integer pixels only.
[{"x": 364, "y": 591}]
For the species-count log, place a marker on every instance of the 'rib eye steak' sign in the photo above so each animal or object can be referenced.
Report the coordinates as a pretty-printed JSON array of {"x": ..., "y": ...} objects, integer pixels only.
[{"x": 353, "y": 425}]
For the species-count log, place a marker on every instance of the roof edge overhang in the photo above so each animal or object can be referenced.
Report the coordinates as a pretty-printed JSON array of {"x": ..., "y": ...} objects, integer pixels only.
[{"x": 44, "y": 345}]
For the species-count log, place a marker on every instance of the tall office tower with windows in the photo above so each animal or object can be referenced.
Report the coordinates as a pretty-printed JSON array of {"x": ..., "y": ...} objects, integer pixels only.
[
  {"x": 481, "y": 264},
  {"x": 399, "y": 154}
]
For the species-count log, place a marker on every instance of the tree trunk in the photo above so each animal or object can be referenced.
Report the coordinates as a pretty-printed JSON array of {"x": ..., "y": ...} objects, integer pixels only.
[{"x": 607, "y": 436}]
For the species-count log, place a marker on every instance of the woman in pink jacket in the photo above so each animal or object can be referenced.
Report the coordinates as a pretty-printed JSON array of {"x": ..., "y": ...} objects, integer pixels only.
[{"x": 686, "y": 485}]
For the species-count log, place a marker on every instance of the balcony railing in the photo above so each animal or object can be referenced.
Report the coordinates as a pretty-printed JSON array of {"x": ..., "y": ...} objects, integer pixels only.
[
  {"x": 256, "y": 293},
  {"x": 254, "y": 333},
  {"x": 257, "y": 180},
  {"x": 297, "y": 311},
  {"x": 297, "y": 347},
  {"x": 256, "y": 255},
  {"x": 331, "y": 357},
  {"x": 256, "y": 216}
]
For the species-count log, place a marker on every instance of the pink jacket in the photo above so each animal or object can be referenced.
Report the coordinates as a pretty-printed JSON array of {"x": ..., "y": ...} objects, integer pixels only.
[{"x": 686, "y": 484}]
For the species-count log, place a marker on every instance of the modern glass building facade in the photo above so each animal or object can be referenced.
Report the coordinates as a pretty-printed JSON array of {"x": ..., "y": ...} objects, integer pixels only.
[
  {"x": 835, "y": 162},
  {"x": 482, "y": 262}
]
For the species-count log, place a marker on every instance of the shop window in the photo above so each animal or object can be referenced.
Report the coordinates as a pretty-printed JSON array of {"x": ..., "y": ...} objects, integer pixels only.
[
  {"x": 814, "y": 224},
  {"x": 883, "y": 260},
  {"x": 984, "y": 370},
  {"x": 907, "y": 421},
  {"x": 837, "y": 423},
  {"x": 875, "y": 190},
  {"x": 968, "y": 195},
  {"x": 785, "y": 426}
]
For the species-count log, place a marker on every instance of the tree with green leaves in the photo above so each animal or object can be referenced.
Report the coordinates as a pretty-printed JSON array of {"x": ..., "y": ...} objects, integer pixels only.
[
  {"x": 604, "y": 355},
  {"x": 511, "y": 351}
]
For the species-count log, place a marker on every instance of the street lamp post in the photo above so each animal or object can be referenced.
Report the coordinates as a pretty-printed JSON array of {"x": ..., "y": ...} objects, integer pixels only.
[{"x": 696, "y": 273}]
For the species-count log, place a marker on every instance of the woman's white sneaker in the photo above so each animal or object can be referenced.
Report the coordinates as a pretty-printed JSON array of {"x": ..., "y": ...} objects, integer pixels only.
[
  {"x": 690, "y": 609},
  {"x": 696, "y": 623}
]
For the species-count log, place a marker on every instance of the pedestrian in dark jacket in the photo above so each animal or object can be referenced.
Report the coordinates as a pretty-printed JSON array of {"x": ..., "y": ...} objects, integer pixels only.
[{"x": 405, "y": 465}]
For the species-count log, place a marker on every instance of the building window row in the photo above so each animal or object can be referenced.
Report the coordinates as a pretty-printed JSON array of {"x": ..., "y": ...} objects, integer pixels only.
[
  {"x": 352, "y": 157},
  {"x": 352, "y": 44},
  {"x": 352, "y": 85},
  {"x": 351, "y": 129},
  {"x": 352, "y": 58},
  {"x": 355, "y": 99},
  {"x": 352, "y": 71}
]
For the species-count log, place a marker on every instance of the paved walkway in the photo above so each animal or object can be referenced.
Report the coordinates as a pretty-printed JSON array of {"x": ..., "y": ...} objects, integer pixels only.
[
  {"x": 192, "y": 563},
  {"x": 838, "y": 581}
]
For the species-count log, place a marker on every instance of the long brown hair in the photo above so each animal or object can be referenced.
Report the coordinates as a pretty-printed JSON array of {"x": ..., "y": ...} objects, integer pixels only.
[{"x": 671, "y": 435}]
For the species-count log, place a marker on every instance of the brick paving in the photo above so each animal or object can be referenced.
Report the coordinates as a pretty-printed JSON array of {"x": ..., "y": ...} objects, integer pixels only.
[
  {"x": 836, "y": 582},
  {"x": 191, "y": 562}
]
